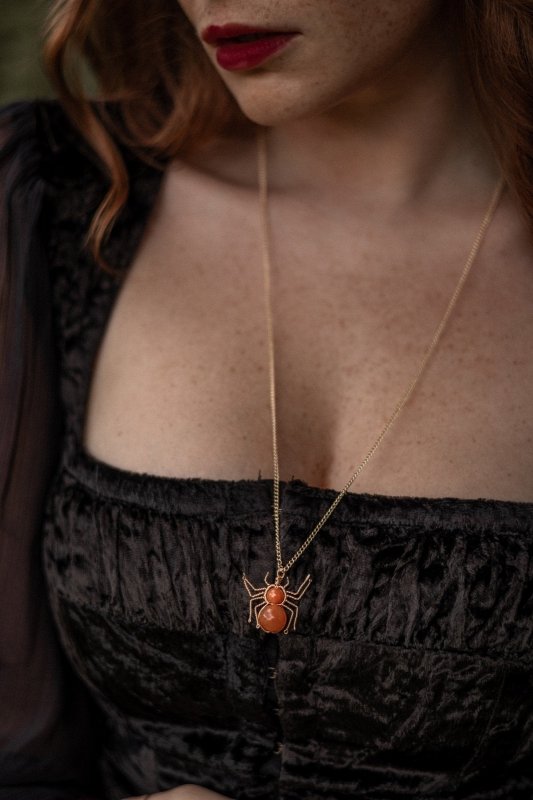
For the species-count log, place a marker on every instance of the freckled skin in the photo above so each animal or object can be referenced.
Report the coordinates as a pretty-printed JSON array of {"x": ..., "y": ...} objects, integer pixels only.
[
  {"x": 379, "y": 175},
  {"x": 343, "y": 48}
]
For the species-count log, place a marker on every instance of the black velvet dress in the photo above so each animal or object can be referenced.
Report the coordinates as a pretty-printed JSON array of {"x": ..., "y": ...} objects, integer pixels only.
[{"x": 410, "y": 674}]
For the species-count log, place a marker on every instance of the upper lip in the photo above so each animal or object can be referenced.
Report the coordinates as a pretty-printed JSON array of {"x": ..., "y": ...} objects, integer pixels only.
[{"x": 217, "y": 34}]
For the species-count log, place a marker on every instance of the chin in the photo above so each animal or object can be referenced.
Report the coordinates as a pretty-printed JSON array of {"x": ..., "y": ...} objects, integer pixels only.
[
  {"x": 270, "y": 115},
  {"x": 276, "y": 104}
]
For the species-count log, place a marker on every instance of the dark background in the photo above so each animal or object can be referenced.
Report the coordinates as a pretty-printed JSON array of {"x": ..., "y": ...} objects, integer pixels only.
[{"x": 21, "y": 75}]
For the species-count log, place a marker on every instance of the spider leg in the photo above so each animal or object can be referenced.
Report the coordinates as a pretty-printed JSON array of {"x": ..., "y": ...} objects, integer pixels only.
[
  {"x": 300, "y": 591},
  {"x": 258, "y": 610},
  {"x": 250, "y": 588},
  {"x": 293, "y": 608},
  {"x": 253, "y": 599}
]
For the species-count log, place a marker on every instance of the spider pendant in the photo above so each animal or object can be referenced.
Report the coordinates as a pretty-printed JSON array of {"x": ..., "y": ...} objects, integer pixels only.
[{"x": 274, "y": 606}]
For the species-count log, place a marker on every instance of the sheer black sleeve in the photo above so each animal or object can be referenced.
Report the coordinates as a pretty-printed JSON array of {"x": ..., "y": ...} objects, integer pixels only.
[{"x": 48, "y": 738}]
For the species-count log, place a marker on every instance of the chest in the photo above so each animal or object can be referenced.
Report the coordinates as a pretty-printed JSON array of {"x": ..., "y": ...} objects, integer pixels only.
[{"x": 181, "y": 385}]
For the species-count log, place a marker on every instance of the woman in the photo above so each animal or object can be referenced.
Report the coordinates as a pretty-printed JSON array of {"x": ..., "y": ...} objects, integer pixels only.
[{"x": 327, "y": 162}]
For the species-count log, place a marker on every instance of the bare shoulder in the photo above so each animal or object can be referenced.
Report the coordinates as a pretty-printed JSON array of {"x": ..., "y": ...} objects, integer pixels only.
[
  {"x": 202, "y": 192},
  {"x": 229, "y": 162}
]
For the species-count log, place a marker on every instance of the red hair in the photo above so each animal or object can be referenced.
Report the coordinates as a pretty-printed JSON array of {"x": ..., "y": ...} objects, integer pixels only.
[
  {"x": 147, "y": 58},
  {"x": 497, "y": 39}
]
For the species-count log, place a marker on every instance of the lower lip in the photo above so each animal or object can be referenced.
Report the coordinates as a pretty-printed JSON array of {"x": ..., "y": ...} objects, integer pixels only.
[{"x": 246, "y": 55}]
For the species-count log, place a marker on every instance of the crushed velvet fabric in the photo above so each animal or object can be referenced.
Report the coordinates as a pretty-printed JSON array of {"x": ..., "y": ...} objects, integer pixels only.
[{"x": 410, "y": 674}]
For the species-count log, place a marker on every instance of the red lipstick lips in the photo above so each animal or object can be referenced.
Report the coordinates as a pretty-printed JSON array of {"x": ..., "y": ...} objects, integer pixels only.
[{"x": 241, "y": 47}]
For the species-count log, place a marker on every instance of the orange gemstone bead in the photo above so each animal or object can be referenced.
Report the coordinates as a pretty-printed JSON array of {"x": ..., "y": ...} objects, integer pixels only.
[
  {"x": 275, "y": 594},
  {"x": 273, "y": 618}
]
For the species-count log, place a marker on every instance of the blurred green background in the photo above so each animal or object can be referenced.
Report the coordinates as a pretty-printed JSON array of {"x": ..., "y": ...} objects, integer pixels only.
[{"x": 21, "y": 75}]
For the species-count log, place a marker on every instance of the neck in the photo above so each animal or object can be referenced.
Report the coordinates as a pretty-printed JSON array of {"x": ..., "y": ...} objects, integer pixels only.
[{"x": 408, "y": 135}]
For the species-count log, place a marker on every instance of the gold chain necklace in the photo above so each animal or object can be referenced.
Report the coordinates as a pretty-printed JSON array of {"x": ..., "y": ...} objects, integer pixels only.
[{"x": 273, "y": 607}]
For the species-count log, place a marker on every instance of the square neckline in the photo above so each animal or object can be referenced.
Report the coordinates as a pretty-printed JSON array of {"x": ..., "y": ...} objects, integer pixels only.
[
  {"x": 94, "y": 472},
  {"x": 195, "y": 495}
]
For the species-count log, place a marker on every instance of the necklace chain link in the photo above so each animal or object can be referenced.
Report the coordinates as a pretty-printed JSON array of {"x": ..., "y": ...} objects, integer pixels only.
[{"x": 282, "y": 569}]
